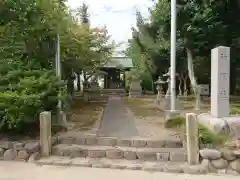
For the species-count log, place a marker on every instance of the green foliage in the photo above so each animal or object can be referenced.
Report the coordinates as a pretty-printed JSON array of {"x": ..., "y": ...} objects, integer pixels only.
[
  {"x": 175, "y": 122},
  {"x": 28, "y": 35},
  {"x": 32, "y": 92},
  {"x": 206, "y": 136},
  {"x": 201, "y": 26}
]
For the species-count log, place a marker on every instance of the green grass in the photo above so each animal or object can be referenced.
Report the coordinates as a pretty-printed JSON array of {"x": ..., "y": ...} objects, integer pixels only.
[
  {"x": 206, "y": 136},
  {"x": 235, "y": 110}
]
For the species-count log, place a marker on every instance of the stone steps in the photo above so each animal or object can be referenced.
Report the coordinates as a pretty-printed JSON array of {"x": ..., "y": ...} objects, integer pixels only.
[
  {"x": 120, "y": 152},
  {"x": 124, "y": 142},
  {"x": 171, "y": 167}
]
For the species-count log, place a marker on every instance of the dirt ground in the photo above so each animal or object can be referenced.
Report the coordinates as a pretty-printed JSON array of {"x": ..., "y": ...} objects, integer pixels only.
[
  {"x": 149, "y": 119},
  {"x": 85, "y": 117}
]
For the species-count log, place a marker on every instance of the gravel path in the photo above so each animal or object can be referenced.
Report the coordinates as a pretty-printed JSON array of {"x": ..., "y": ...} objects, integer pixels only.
[{"x": 117, "y": 122}]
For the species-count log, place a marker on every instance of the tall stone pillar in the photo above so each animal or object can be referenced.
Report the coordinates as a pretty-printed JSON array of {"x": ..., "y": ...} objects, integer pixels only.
[{"x": 220, "y": 71}]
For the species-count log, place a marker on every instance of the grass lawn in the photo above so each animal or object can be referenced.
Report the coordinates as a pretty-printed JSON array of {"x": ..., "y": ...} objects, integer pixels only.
[{"x": 143, "y": 107}]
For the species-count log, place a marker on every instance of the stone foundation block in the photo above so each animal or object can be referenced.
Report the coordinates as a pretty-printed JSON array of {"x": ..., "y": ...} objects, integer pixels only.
[
  {"x": 106, "y": 141},
  {"x": 22, "y": 155},
  {"x": 130, "y": 155},
  {"x": 146, "y": 156},
  {"x": 18, "y": 146},
  {"x": 155, "y": 144},
  {"x": 77, "y": 152},
  {"x": 67, "y": 140},
  {"x": 138, "y": 143},
  {"x": 80, "y": 140},
  {"x": 10, "y": 154},
  {"x": 178, "y": 157},
  {"x": 173, "y": 144},
  {"x": 210, "y": 154},
  {"x": 124, "y": 142},
  {"x": 114, "y": 154},
  {"x": 173, "y": 169},
  {"x": 91, "y": 140},
  {"x": 6, "y": 145},
  {"x": 163, "y": 156},
  {"x": 96, "y": 153},
  {"x": 219, "y": 163},
  {"x": 1, "y": 151},
  {"x": 235, "y": 165}
]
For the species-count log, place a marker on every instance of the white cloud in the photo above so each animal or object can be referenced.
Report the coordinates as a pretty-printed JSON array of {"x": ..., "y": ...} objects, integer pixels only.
[{"x": 118, "y": 16}]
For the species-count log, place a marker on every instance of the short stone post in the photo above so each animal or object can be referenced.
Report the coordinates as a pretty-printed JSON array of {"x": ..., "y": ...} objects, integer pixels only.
[
  {"x": 63, "y": 119},
  {"x": 192, "y": 138},
  {"x": 45, "y": 133},
  {"x": 198, "y": 98}
]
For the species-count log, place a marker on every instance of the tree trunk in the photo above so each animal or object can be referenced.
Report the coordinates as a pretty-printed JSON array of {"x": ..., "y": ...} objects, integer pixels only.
[
  {"x": 191, "y": 70},
  {"x": 78, "y": 82},
  {"x": 196, "y": 88},
  {"x": 185, "y": 93},
  {"x": 180, "y": 86}
]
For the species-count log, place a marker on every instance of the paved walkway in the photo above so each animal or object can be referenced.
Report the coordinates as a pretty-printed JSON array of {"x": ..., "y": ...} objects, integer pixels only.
[
  {"x": 26, "y": 171},
  {"x": 116, "y": 120}
]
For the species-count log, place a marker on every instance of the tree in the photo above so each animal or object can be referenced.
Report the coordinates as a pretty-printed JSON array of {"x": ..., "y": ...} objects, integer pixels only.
[
  {"x": 28, "y": 84},
  {"x": 83, "y": 14},
  {"x": 201, "y": 27},
  {"x": 149, "y": 53},
  {"x": 28, "y": 35}
]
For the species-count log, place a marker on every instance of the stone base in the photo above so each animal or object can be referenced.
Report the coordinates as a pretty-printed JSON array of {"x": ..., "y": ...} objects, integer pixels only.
[
  {"x": 166, "y": 103},
  {"x": 227, "y": 125},
  {"x": 168, "y": 114},
  {"x": 135, "y": 94}
]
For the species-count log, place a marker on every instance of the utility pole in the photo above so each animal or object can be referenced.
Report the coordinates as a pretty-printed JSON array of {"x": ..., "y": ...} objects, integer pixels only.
[
  {"x": 58, "y": 68},
  {"x": 173, "y": 54}
]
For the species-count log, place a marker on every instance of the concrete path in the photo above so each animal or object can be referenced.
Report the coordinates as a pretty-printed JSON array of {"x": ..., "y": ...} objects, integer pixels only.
[
  {"x": 27, "y": 171},
  {"x": 116, "y": 120}
]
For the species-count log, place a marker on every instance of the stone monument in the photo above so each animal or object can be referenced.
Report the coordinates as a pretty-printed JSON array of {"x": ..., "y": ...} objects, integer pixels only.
[
  {"x": 220, "y": 71},
  {"x": 135, "y": 86},
  {"x": 219, "y": 120}
]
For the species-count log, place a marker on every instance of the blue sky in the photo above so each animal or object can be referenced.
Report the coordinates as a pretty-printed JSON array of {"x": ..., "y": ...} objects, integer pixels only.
[{"x": 118, "y": 15}]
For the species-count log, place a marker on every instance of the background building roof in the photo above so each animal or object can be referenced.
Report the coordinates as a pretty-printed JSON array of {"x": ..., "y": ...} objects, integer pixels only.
[{"x": 119, "y": 62}]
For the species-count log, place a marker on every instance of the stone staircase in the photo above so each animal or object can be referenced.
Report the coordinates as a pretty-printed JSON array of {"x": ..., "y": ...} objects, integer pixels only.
[{"x": 105, "y": 152}]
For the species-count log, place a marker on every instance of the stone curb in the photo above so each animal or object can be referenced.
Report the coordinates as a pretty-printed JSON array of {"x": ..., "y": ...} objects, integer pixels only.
[
  {"x": 99, "y": 120},
  {"x": 128, "y": 153},
  {"x": 137, "y": 165},
  {"x": 113, "y": 141}
]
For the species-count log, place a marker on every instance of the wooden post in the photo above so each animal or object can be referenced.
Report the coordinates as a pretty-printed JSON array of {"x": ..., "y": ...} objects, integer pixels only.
[
  {"x": 192, "y": 138},
  {"x": 45, "y": 133}
]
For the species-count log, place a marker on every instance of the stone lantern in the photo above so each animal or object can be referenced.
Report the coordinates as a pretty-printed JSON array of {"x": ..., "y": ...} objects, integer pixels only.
[
  {"x": 167, "y": 102},
  {"x": 159, "y": 88}
]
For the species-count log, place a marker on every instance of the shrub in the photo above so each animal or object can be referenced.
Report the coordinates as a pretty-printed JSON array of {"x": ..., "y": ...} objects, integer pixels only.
[
  {"x": 175, "y": 122},
  {"x": 31, "y": 92}
]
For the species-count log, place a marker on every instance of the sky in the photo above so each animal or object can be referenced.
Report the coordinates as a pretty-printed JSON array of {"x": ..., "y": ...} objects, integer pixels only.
[{"x": 119, "y": 16}]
